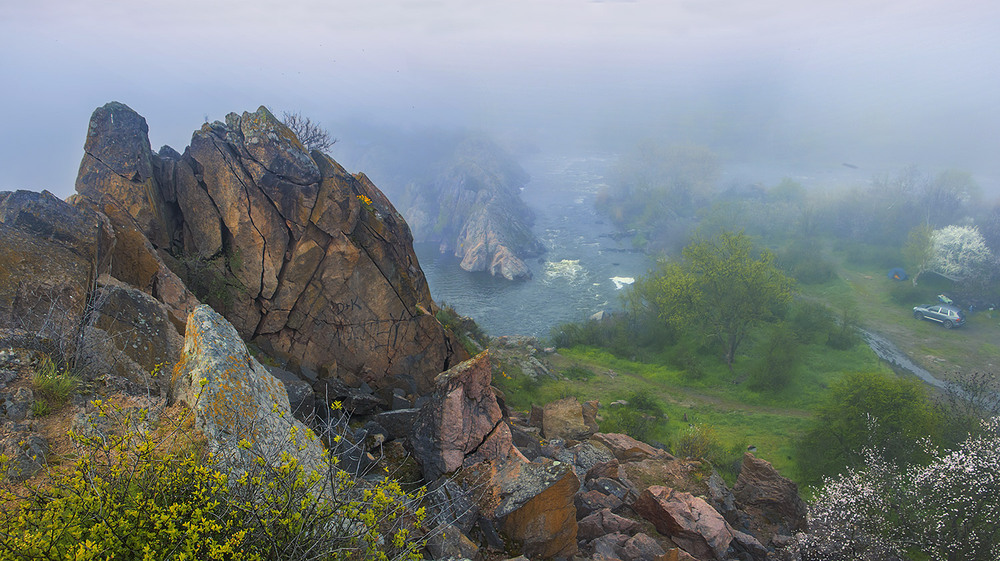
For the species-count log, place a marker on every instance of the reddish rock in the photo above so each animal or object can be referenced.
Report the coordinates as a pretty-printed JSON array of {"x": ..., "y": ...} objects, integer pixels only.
[
  {"x": 677, "y": 554},
  {"x": 536, "y": 507},
  {"x": 462, "y": 423},
  {"x": 590, "y": 409},
  {"x": 688, "y": 521},
  {"x": 607, "y": 469},
  {"x": 772, "y": 501},
  {"x": 564, "y": 419},
  {"x": 641, "y": 547},
  {"x": 628, "y": 449},
  {"x": 605, "y": 522},
  {"x": 588, "y": 502}
]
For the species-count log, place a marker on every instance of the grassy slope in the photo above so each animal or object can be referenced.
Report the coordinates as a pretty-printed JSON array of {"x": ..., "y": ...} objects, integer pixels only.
[{"x": 773, "y": 421}]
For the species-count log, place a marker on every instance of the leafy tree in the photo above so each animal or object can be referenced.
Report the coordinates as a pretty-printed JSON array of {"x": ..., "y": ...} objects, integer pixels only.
[
  {"x": 312, "y": 135},
  {"x": 919, "y": 250},
  {"x": 721, "y": 286},
  {"x": 868, "y": 409},
  {"x": 961, "y": 253}
]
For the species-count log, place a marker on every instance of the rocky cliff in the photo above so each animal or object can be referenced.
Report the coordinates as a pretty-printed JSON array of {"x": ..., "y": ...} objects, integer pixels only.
[
  {"x": 473, "y": 208},
  {"x": 308, "y": 261}
]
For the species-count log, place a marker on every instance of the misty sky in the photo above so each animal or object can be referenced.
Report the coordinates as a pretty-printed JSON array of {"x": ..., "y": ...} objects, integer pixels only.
[{"x": 876, "y": 83}]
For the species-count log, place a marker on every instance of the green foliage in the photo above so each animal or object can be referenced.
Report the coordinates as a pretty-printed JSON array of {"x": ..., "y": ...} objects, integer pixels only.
[
  {"x": 777, "y": 365},
  {"x": 722, "y": 287},
  {"x": 52, "y": 384},
  {"x": 630, "y": 421},
  {"x": 40, "y": 409},
  {"x": 810, "y": 321},
  {"x": 578, "y": 373},
  {"x": 803, "y": 260},
  {"x": 846, "y": 335},
  {"x": 866, "y": 409},
  {"x": 472, "y": 337},
  {"x": 133, "y": 494},
  {"x": 702, "y": 441},
  {"x": 625, "y": 335}
]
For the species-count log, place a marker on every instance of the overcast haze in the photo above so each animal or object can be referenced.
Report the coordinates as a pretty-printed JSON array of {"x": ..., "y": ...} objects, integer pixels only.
[{"x": 872, "y": 83}]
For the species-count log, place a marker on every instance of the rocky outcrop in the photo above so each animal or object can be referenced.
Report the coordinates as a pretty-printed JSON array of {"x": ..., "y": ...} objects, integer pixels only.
[
  {"x": 771, "y": 500},
  {"x": 473, "y": 209},
  {"x": 235, "y": 398},
  {"x": 308, "y": 261},
  {"x": 49, "y": 259},
  {"x": 689, "y": 521},
  {"x": 462, "y": 424}
]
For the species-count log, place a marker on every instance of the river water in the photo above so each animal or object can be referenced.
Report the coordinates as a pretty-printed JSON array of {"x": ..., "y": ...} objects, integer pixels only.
[{"x": 581, "y": 273}]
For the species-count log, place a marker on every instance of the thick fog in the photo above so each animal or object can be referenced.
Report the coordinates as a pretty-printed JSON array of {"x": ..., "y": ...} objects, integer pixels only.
[{"x": 874, "y": 84}]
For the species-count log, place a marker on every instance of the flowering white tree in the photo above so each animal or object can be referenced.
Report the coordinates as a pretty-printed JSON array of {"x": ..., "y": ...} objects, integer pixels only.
[
  {"x": 960, "y": 252},
  {"x": 948, "y": 509}
]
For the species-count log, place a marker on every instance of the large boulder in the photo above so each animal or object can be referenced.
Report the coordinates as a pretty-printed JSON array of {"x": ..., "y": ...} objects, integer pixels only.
[
  {"x": 50, "y": 254},
  {"x": 234, "y": 398},
  {"x": 536, "y": 507},
  {"x": 462, "y": 423},
  {"x": 771, "y": 501},
  {"x": 563, "y": 419},
  {"x": 688, "y": 521},
  {"x": 628, "y": 449},
  {"x": 129, "y": 335}
]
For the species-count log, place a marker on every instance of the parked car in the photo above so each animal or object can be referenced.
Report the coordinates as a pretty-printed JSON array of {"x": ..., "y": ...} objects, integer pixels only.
[{"x": 946, "y": 315}]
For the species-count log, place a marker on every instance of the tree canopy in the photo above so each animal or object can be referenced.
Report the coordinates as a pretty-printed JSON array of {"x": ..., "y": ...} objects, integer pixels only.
[
  {"x": 721, "y": 286},
  {"x": 868, "y": 410}
]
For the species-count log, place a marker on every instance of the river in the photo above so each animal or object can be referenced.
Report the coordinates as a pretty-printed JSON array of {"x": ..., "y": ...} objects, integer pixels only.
[{"x": 582, "y": 272}]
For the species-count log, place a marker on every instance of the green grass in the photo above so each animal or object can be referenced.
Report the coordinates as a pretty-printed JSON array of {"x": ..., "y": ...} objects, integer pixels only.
[
  {"x": 737, "y": 415},
  {"x": 53, "y": 385}
]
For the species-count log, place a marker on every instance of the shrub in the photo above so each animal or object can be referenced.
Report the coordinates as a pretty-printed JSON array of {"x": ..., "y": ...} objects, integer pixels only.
[
  {"x": 628, "y": 420},
  {"x": 699, "y": 442},
  {"x": 846, "y": 335},
  {"x": 810, "y": 320},
  {"x": 135, "y": 494},
  {"x": 578, "y": 373},
  {"x": 776, "y": 367},
  {"x": 470, "y": 335},
  {"x": 703, "y": 443},
  {"x": 864, "y": 410}
]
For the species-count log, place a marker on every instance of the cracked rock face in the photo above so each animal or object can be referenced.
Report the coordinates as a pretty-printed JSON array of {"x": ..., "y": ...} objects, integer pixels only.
[
  {"x": 308, "y": 261},
  {"x": 462, "y": 423},
  {"x": 688, "y": 520}
]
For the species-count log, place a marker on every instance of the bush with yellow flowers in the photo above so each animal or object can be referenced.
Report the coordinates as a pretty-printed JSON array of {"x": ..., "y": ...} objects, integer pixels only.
[{"x": 136, "y": 491}]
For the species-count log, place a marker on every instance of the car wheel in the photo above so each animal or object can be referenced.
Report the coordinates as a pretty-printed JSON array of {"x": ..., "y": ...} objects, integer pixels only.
[
  {"x": 949, "y": 324},
  {"x": 918, "y": 315}
]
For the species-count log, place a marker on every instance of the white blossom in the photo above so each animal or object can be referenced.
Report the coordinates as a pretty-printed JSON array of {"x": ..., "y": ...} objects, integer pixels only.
[{"x": 960, "y": 252}]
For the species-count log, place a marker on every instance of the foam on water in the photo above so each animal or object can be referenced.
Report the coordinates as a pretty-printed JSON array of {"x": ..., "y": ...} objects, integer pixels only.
[
  {"x": 569, "y": 269},
  {"x": 621, "y": 282}
]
